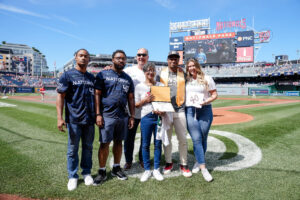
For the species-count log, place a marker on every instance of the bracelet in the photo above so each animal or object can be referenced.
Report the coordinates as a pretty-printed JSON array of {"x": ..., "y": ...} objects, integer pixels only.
[{"x": 98, "y": 114}]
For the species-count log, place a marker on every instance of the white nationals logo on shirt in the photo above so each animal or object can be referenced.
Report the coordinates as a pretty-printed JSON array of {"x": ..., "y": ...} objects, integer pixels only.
[
  {"x": 194, "y": 99},
  {"x": 91, "y": 90},
  {"x": 126, "y": 88}
]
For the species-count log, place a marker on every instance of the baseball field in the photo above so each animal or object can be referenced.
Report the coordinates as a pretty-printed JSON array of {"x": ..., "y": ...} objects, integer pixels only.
[{"x": 253, "y": 153}]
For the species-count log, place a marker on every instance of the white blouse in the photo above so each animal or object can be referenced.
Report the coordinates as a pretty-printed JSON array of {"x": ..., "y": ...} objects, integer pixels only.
[
  {"x": 140, "y": 93},
  {"x": 197, "y": 93}
]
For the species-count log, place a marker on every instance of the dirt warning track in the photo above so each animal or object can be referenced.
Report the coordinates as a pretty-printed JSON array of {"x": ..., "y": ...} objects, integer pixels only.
[{"x": 225, "y": 115}]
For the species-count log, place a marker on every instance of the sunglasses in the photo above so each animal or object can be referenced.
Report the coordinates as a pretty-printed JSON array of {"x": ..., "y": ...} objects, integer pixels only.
[{"x": 141, "y": 54}]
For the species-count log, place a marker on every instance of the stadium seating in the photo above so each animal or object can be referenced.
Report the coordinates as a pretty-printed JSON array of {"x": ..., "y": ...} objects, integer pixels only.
[{"x": 28, "y": 81}]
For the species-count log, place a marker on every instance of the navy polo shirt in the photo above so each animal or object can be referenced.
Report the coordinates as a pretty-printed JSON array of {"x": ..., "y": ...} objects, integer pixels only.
[
  {"x": 114, "y": 90},
  {"x": 79, "y": 99}
]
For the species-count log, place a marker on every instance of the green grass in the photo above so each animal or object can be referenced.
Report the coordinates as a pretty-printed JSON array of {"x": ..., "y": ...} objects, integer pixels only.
[
  {"x": 33, "y": 159},
  {"x": 224, "y": 103}
]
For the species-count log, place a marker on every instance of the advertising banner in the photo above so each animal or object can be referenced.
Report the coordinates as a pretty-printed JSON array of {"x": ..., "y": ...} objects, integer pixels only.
[
  {"x": 292, "y": 93},
  {"x": 210, "y": 36},
  {"x": 24, "y": 90},
  {"x": 187, "y": 25},
  {"x": 176, "y": 44},
  {"x": 259, "y": 91},
  {"x": 2, "y": 62},
  {"x": 244, "y": 54},
  {"x": 245, "y": 39},
  {"x": 210, "y": 50},
  {"x": 231, "y": 24},
  {"x": 262, "y": 37},
  {"x": 232, "y": 91},
  {"x": 181, "y": 57}
]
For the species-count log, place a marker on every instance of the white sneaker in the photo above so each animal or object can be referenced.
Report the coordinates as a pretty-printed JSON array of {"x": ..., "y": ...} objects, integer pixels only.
[
  {"x": 196, "y": 168},
  {"x": 206, "y": 175},
  {"x": 146, "y": 175},
  {"x": 88, "y": 179},
  {"x": 72, "y": 184},
  {"x": 157, "y": 175}
]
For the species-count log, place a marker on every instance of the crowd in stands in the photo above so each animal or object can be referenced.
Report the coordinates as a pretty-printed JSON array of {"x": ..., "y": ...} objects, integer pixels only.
[
  {"x": 250, "y": 70},
  {"x": 26, "y": 81},
  {"x": 227, "y": 70},
  {"x": 281, "y": 69}
]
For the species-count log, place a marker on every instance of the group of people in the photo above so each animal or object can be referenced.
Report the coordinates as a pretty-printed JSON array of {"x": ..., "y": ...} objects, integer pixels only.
[{"x": 118, "y": 100}]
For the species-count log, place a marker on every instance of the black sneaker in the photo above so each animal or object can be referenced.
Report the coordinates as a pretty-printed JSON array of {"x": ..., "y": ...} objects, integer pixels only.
[
  {"x": 101, "y": 177},
  {"x": 117, "y": 171}
]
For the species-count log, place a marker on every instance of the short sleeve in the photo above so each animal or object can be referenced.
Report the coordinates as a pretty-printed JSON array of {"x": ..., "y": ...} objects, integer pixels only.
[
  {"x": 99, "y": 81},
  {"x": 63, "y": 85},
  {"x": 131, "y": 86},
  {"x": 137, "y": 95},
  {"x": 211, "y": 84}
]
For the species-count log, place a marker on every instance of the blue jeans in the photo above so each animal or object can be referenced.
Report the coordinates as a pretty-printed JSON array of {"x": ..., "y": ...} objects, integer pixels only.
[
  {"x": 149, "y": 126},
  {"x": 86, "y": 133},
  {"x": 198, "y": 124},
  {"x": 129, "y": 143}
]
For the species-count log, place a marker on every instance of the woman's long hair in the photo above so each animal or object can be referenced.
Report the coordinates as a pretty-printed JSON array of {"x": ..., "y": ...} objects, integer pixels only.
[{"x": 200, "y": 74}]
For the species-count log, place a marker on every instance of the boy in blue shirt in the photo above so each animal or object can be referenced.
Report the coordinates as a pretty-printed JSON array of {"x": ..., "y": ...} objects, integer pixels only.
[
  {"x": 114, "y": 89},
  {"x": 76, "y": 90}
]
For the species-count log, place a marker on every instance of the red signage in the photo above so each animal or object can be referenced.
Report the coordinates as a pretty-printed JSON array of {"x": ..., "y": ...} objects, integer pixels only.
[
  {"x": 244, "y": 54},
  {"x": 231, "y": 24},
  {"x": 264, "y": 36},
  {"x": 210, "y": 36}
]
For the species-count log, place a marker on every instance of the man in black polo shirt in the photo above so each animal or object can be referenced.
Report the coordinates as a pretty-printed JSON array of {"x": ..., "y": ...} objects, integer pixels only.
[{"x": 76, "y": 90}]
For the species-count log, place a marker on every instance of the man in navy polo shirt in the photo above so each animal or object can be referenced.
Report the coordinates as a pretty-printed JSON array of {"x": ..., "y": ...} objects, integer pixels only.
[
  {"x": 76, "y": 90},
  {"x": 114, "y": 89}
]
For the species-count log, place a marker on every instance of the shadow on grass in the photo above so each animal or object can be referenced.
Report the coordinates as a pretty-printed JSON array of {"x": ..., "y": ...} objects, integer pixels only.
[
  {"x": 213, "y": 160},
  {"x": 28, "y": 138}
]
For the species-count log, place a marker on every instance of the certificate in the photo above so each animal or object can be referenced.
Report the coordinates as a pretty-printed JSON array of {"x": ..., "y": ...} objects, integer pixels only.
[
  {"x": 194, "y": 99},
  {"x": 161, "y": 93},
  {"x": 163, "y": 106}
]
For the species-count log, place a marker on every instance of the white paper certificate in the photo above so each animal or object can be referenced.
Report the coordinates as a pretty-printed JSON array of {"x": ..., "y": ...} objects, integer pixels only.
[
  {"x": 163, "y": 106},
  {"x": 194, "y": 99}
]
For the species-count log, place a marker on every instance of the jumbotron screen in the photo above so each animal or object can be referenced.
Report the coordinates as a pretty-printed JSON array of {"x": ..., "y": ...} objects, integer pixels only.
[{"x": 210, "y": 49}]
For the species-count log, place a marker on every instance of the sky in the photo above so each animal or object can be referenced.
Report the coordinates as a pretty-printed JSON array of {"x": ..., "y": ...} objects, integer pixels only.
[{"x": 59, "y": 27}]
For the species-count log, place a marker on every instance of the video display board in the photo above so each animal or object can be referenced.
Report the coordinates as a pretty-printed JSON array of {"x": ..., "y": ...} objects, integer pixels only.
[
  {"x": 211, "y": 51},
  {"x": 2, "y": 62},
  {"x": 19, "y": 63}
]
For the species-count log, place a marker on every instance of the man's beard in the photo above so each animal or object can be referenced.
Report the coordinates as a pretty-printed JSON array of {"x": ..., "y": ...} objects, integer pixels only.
[{"x": 119, "y": 67}]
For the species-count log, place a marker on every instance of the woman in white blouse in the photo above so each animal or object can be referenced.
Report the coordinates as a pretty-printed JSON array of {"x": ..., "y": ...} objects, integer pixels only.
[
  {"x": 149, "y": 118},
  {"x": 200, "y": 92}
]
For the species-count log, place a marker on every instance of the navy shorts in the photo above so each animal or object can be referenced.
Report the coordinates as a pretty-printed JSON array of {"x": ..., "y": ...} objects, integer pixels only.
[{"x": 114, "y": 129}]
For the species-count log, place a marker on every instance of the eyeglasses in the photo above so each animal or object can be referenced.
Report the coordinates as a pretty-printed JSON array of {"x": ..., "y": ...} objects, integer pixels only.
[
  {"x": 120, "y": 58},
  {"x": 141, "y": 54}
]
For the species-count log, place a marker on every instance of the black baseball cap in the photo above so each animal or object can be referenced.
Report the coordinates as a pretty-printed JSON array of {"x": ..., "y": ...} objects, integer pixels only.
[{"x": 173, "y": 54}]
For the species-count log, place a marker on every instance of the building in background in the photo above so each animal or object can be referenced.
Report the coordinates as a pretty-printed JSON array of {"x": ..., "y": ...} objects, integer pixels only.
[
  {"x": 21, "y": 58},
  {"x": 99, "y": 61}
]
